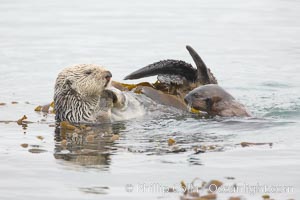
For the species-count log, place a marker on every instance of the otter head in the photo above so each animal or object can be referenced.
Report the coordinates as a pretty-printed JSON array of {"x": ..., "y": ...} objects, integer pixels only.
[
  {"x": 78, "y": 90},
  {"x": 86, "y": 80},
  {"x": 206, "y": 98}
]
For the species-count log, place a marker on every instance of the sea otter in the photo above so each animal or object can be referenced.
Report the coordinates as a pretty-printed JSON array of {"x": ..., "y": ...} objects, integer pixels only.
[
  {"x": 84, "y": 93},
  {"x": 176, "y": 78},
  {"x": 214, "y": 100},
  {"x": 179, "y": 82},
  {"x": 80, "y": 94}
]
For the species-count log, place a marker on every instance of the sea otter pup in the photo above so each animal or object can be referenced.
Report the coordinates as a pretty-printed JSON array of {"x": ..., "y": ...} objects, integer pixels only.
[
  {"x": 175, "y": 79},
  {"x": 180, "y": 82},
  {"x": 214, "y": 100}
]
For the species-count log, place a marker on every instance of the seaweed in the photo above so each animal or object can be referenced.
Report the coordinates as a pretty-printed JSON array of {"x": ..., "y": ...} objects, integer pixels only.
[
  {"x": 21, "y": 120},
  {"x": 247, "y": 144}
]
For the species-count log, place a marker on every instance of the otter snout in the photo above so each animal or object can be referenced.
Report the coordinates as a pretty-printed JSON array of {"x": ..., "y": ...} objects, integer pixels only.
[
  {"x": 187, "y": 99},
  {"x": 107, "y": 76},
  {"x": 195, "y": 100}
]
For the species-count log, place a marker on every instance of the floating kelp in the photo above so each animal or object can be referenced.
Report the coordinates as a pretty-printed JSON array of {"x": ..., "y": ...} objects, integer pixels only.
[
  {"x": 36, "y": 150},
  {"x": 67, "y": 126},
  {"x": 171, "y": 141},
  {"x": 215, "y": 184},
  {"x": 234, "y": 198},
  {"x": 24, "y": 145},
  {"x": 266, "y": 197},
  {"x": 129, "y": 87},
  {"x": 40, "y": 137},
  {"x": 247, "y": 144},
  {"x": 38, "y": 108},
  {"x": 114, "y": 137},
  {"x": 198, "y": 150},
  {"x": 21, "y": 120},
  {"x": 207, "y": 148},
  {"x": 183, "y": 186},
  {"x": 48, "y": 108}
]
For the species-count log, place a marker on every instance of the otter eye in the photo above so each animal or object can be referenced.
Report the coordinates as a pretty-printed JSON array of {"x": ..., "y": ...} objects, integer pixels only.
[
  {"x": 88, "y": 72},
  {"x": 207, "y": 100},
  {"x": 196, "y": 95}
]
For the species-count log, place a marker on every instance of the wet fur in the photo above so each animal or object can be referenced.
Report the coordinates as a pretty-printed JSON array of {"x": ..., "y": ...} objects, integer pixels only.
[
  {"x": 214, "y": 100},
  {"x": 78, "y": 91}
]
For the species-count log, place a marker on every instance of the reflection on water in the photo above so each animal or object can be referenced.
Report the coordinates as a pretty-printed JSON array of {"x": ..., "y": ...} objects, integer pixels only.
[
  {"x": 95, "y": 190},
  {"x": 93, "y": 146},
  {"x": 88, "y": 145}
]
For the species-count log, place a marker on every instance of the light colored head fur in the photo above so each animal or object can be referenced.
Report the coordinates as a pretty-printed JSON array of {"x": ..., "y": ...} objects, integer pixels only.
[{"x": 78, "y": 90}]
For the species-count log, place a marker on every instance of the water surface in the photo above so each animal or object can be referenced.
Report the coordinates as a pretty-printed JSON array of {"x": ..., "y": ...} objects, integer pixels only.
[{"x": 252, "y": 47}]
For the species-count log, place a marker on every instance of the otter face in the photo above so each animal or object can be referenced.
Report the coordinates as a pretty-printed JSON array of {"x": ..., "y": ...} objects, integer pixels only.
[
  {"x": 204, "y": 97},
  {"x": 86, "y": 79},
  {"x": 80, "y": 94},
  {"x": 197, "y": 101}
]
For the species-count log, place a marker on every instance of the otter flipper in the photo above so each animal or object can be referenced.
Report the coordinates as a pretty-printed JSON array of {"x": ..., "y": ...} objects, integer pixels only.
[
  {"x": 167, "y": 67},
  {"x": 204, "y": 76}
]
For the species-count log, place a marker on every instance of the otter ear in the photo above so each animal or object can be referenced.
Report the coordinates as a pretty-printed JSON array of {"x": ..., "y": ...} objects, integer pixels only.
[
  {"x": 68, "y": 82},
  {"x": 216, "y": 99},
  {"x": 68, "y": 85}
]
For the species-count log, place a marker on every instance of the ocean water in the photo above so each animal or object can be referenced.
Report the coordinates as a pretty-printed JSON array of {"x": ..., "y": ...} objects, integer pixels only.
[{"x": 252, "y": 48}]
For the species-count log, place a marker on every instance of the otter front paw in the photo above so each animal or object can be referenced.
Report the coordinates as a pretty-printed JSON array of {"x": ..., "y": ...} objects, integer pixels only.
[{"x": 108, "y": 94}]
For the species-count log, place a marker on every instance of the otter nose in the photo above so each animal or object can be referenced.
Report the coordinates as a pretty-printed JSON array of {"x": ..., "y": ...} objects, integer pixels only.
[
  {"x": 108, "y": 76},
  {"x": 187, "y": 99}
]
